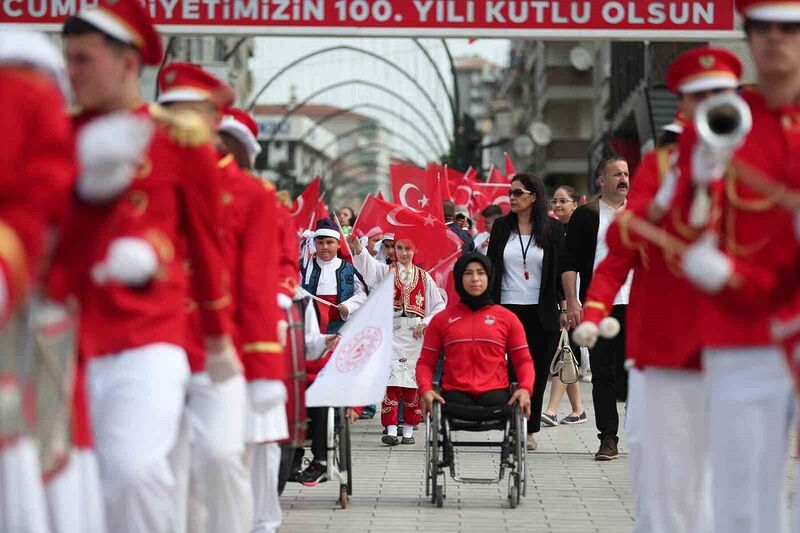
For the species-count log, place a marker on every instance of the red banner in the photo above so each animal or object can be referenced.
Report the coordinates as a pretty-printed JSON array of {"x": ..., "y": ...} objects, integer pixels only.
[{"x": 565, "y": 19}]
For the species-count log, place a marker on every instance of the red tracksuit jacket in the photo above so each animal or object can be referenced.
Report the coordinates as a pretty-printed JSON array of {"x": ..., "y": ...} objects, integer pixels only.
[{"x": 475, "y": 344}]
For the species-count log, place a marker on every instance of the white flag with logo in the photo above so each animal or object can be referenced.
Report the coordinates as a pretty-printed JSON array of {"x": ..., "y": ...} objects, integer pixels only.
[{"x": 358, "y": 370}]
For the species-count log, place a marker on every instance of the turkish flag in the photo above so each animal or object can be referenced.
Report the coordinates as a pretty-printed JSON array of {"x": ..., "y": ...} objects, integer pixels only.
[
  {"x": 511, "y": 170},
  {"x": 462, "y": 192},
  {"x": 434, "y": 241},
  {"x": 442, "y": 274},
  {"x": 418, "y": 190},
  {"x": 495, "y": 176},
  {"x": 305, "y": 208},
  {"x": 485, "y": 194}
]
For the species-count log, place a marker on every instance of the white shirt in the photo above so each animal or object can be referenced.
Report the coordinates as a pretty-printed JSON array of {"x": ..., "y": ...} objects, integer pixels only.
[
  {"x": 515, "y": 289},
  {"x": 374, "y": 272},
  {"x": 482, "y": 242},
  {"x": 327, "y": 284},
  {"x": 607, "y": 215}
]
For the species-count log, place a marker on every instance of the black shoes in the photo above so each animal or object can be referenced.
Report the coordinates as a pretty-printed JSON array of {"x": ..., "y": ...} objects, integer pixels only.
[
  {"x": 391, "y": 440},
  {"x": 608, "y": 449},
  {"x": 313, "y": 474}
]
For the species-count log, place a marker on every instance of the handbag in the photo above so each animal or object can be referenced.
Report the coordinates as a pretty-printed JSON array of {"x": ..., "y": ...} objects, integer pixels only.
[{"x": 563, "y": 363}]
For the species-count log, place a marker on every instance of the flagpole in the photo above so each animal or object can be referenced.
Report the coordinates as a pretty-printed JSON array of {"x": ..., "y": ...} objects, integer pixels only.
[{"x": 344, "y": 237}]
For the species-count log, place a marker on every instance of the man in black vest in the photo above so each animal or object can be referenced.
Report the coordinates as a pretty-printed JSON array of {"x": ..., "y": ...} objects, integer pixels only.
[{"x": 585, "y": 248}]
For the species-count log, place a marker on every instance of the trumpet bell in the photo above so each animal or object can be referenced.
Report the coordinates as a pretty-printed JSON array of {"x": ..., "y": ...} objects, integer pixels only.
[{"x": 723, "y": 121}]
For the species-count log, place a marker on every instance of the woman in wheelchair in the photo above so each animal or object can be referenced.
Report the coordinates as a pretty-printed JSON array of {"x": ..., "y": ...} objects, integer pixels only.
[{"x": 476, "y": 335}]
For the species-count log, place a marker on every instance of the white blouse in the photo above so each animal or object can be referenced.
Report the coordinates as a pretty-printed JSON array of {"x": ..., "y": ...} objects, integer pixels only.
[{"x": 515, "y": 289}]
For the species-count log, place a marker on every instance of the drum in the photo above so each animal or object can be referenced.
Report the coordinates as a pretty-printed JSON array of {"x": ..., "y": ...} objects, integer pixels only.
[{"x": 295, "y": 379}]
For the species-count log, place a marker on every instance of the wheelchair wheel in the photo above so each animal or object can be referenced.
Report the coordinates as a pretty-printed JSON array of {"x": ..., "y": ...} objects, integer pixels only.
[
  {"x": 346, "y": 444},
  {"x": 513, "y": 491},
  {"x": 428, "y": 455},
  {"x": 438, "y": 495},
  {"x": 432, "y": 455}
]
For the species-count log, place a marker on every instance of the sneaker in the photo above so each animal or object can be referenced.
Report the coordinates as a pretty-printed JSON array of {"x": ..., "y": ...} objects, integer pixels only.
[
  {"x": 574, "y": 419},
  {"x": 408, "y": 440},
  {"x": 312, "y": 475},
  {"x": 391, "y": 440},
  {"x": 532, "y": 444},
  {"x": 608, "y": 450},
  {"x": 366, "y": 416},
  {"x": 549, "y": 420}
]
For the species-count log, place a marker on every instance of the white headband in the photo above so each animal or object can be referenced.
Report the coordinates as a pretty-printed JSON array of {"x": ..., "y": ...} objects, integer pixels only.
[{"x": 324, "y": 232}]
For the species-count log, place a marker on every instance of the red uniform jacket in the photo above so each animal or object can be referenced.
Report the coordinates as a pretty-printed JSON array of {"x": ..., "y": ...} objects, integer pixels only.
[
  {"x": 289, "y": 250},
  {"x": 174, "y": 199},
  {"x": 249, "y": 239},
  {"x": 38, "y": 155},
  {"x": 475, "y": 344},
  {"x": 755, "y": 232},
  {"x": 662, "y": 327}
]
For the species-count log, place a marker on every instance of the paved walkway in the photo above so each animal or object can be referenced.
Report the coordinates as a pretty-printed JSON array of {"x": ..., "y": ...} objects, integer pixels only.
[{"x": 568, "y": 491}]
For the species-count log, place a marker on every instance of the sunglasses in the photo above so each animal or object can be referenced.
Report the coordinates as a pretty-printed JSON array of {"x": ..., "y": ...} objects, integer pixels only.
[
  {"x": 518, "y": 192},
  {"x": 562, "y": 201},
  {"x": 763, "y": 27}
]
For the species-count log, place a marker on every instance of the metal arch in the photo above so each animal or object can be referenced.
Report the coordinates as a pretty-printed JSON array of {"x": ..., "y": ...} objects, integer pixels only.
[
  {"x": 456, "y": 92},
  {"x": 437, "y": 149},
  {"x": 360, "y": 51},
  {"x": 358, "y": 129},
  {"x": 331, "y": 87},
  {"x": 454, "y": 102}
]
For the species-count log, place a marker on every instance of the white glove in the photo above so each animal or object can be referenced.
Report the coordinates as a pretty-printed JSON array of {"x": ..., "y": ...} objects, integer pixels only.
[
  {"x": 586, "y": 334},
  {"x": 706, "y": 266},
  {"x": 709, "y": 164},
  {"x": 266, "y": 394},
  {"x": 284, "y": 302},
  {"x": 130, "y": 261},
  {"x": 110, "y": 149}
]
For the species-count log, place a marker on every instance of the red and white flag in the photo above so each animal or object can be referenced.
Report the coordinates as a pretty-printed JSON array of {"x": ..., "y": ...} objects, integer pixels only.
[
  {"x": 511, "y": 170},
  {"x": 434, "y": 242},
  {"x": 305, "y": 210},
  {"x": 418, "y": 190},
  {"x": 485, "y": 194},
  {"x": 495, "y": 176}
]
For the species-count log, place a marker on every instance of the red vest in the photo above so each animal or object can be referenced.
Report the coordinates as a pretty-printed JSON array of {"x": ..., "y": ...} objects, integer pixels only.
[{"x": 410, "y": 298}]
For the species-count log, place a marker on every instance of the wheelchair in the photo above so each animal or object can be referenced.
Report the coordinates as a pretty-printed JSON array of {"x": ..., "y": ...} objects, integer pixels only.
[
  {"x": 439, "y": 446},
  {"x": 339, "y": 455}
]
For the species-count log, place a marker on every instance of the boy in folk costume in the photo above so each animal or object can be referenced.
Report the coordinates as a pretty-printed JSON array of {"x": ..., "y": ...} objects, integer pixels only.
[{"x": 416, "y": 300}]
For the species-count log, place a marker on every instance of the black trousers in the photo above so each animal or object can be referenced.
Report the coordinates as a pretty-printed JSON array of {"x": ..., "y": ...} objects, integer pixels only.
[
  {"x": 490, "y": 398},
  {"x": 609, "y": 378},
  {"x": 542, "y": 344},
  {"x": 318, "y": 431}
]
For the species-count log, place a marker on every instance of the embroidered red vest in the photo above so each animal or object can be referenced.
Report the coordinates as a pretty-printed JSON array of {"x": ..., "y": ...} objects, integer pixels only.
[{"x": 410, "y": 298}]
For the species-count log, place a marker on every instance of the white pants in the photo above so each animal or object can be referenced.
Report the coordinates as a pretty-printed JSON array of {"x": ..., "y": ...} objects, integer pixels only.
[
  {"x": 634, "y": 431},
  {"x": 750, "y": 403},
  {"x": 74, "y": 497},
  {"x": 23, "y": 508},
  {"x": 266, "y": 461},
  {"x": 674, "y": 478},
  {"x": 136, "y": 398},
  {"x": 220, "y": 495}
]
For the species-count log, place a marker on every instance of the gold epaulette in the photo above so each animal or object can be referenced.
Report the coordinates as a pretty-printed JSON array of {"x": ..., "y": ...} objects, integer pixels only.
[
  {"x": 186, "y": 127},
  {"x": 284, "y": 198}
]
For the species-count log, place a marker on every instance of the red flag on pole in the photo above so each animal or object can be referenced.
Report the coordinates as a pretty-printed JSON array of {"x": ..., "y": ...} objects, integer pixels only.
[
  {"x": 495, "y": 176},
  {"x": 434, "y": 241},
  {"x": 416, "y": 189},
  {"x": 510, "y": 168},
  {"x": 442, "y": 274},
  {"x": 305, "y": 206},
  {"x": 485, "y": 194}
]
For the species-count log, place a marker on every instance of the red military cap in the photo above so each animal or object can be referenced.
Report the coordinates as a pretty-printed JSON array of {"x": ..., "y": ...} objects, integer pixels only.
[
  {"x": 241, "y": 126},
  {"x": 770, "y": 10},
  {"x": 127, "y": 21},
  {"x": 185, "y": 82},
  {"x": 704, "y": 69}
]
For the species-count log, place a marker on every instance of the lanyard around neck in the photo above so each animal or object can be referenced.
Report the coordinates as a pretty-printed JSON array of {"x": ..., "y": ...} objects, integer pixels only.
[{"x": 524, "y": 249}]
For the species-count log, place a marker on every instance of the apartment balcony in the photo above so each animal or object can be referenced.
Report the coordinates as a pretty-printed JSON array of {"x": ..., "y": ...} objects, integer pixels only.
[{"x": 564, "y": 156}]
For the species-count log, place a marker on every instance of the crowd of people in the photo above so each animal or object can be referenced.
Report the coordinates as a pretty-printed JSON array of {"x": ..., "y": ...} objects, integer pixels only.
[{"x": 148, "y": 280}]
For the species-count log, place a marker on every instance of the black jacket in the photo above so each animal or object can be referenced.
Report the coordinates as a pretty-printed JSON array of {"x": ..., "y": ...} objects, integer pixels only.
[
  {"x": 581, "y": 244},
  {"x": 468, "y": 244},
  {"x": 551, "y": 292}
]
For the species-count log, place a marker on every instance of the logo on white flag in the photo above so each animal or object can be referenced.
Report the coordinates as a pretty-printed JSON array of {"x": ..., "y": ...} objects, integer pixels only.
[{"x": 357, "y": 351}]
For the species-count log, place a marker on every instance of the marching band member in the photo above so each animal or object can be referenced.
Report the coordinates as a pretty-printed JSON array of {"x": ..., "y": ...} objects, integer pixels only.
[
  {"x": 217, "y": 410},
  {"x": 743, "y": 262},
  {"x": 416, "y": 301},
  {"x": 38, "y": 154},
  {"x": 330, "y": 279},
  {"x": 148, "y": 184},
  {"x": 667, "y": 460},
  {"x": 239, "y": 133}
]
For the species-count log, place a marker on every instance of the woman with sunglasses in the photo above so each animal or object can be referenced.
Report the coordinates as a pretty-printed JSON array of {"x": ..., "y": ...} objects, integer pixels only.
[
  {"x": 564, "y": 203},
  {"x": 524, "y": 249}
]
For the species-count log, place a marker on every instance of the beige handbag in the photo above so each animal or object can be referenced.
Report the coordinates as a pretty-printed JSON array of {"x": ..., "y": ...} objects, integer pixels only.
[{"x": 563, "y": 364}]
